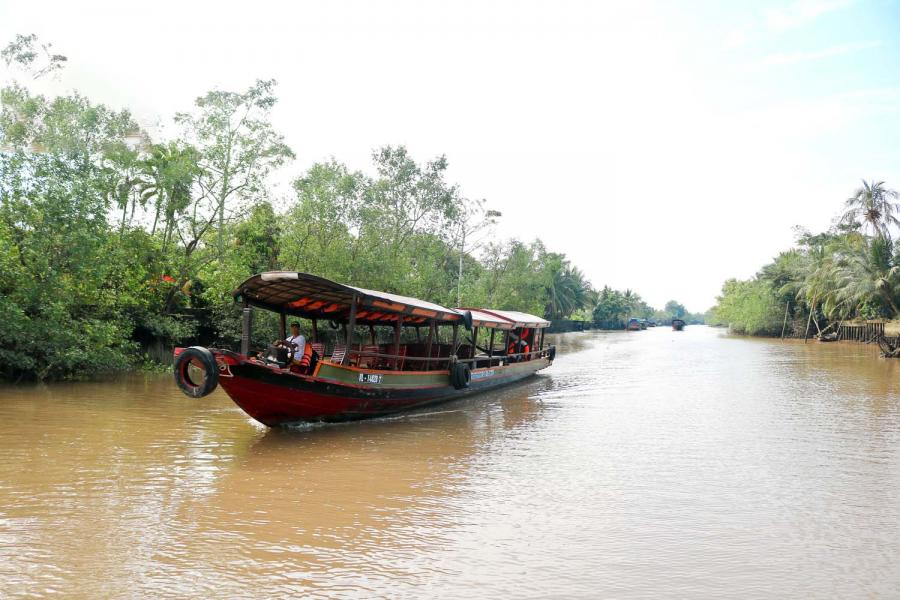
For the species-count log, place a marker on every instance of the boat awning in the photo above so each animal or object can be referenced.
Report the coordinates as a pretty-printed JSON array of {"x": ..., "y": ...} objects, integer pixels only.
[
  {"x": 485, "y": 319},
  {"x": 312, "y": 297},
  {"x": 506, "y": 319}
]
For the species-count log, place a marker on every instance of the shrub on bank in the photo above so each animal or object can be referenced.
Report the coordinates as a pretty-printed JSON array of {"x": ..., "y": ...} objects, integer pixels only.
[{"x": 749, "y": 307}]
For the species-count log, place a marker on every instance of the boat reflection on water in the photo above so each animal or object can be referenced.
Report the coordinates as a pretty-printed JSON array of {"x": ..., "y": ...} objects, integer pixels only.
[{"x": 330, "y": 499}]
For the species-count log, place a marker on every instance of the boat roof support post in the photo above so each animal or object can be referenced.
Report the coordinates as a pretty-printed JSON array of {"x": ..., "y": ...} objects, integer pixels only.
[
  {"x": 282, "y": 324},
  {"x": 372, "y": 334},
  {"x": 315, "y": 330},
  {"x": 455, "y": 337},
  {"x": 506, "y": 345},
  {"x": 542, "y": 340},
  {"x": 397, "y": 327},
  {"x": 351, "y": 325},
  {"x": 474, "y": 342},
  {"x": 491, "y": 347},
  {"x": 246, "y": 327},
  {"x": 428, "y": 342}
]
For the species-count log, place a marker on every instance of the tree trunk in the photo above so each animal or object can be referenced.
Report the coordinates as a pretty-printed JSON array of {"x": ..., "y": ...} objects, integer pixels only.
[
  {"x": 155, "y": 221},
  {"x": 160, "y": 200},
  {"x": 893, "y": 305},
  {"x": 226, "y": 176},
  {"x": 784, "y": 325},
  {"x": 124, "y": 214},
  {"x": 812, "y": 309}
]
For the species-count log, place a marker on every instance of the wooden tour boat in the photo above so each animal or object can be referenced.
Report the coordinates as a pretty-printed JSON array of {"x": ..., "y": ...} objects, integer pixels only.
[
  {"x": 633, "y": 325},
  {"x": 355, "y": 378},
  {"x": 677, "y": 325}
]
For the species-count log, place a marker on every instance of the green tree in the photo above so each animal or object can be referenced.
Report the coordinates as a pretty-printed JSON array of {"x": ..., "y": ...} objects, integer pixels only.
[
  {"x": 865, "y": 274},
  {"x": 748, "y": 307},
  {"x": 612, "y": 305},
  {"x": 316, "y": 236},
  {"x": 567, "y": 289},
  {"x": 28, "y": 54},
  {"x": 238, "y": 147},
  {"x": 168, "y": 176},
  {"x": 675, "y": 309},
  {"x": 875, "y": 206},
  {"x": 61, "y": 317}
]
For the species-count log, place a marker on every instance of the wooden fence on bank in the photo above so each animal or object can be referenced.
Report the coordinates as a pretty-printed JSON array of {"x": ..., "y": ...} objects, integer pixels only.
[{"x": 866, "y": 333}]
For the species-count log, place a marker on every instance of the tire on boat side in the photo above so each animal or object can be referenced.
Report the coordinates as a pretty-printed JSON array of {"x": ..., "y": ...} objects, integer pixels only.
[
  {"x": 460, "y": 376},
  {"x": 201, "y": 358},
  {"x": 551, "y": 352}
]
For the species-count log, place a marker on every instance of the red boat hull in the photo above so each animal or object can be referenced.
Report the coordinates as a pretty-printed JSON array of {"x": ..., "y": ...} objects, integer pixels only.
[{"x": 278, "y": 397}]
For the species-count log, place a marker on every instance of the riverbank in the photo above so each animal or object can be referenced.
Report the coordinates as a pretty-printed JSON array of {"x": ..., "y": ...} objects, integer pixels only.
[{"x": 884, "y": 335}]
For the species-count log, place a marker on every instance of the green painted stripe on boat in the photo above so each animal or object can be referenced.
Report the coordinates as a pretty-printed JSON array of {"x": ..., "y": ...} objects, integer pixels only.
[{"x": 399, "y": 379}]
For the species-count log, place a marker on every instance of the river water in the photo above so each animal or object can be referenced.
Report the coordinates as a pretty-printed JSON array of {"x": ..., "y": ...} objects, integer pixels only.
[{"x": 640, "y": 465}]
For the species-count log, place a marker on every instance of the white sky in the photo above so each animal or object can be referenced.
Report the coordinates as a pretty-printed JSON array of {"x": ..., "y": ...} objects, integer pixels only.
[{"x": 662, "y": 146}]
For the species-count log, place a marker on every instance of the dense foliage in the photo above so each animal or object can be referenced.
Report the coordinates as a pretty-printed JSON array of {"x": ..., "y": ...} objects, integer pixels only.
[
  {"x": 851, "y": 271},
  {"x": 614, "y": 305},
  {"x": 114, "y": 247}
]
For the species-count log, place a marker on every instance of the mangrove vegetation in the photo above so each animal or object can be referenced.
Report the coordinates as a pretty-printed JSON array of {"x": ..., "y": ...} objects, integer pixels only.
[
  {"x": 116, "y": 245},
  {"x": 851, "y": 272}
]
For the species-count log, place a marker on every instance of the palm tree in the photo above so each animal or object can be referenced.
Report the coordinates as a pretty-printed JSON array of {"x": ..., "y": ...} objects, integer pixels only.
[
  {"x": 567, "y": 291},
  {"x": 122, "y": 166},
  {"x": 631, "y": 299},
  {"x": 875, "y": 206},
  {"x": 866, "y": 275},
  {"x": 169, "y": 173}
]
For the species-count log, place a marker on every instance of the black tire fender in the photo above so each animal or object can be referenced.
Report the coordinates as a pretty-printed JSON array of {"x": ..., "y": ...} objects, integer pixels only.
[
  {"x": 460, "y": 375},
  {"x": 202, "y": 359},
  {"x": 551, "y": 353}
]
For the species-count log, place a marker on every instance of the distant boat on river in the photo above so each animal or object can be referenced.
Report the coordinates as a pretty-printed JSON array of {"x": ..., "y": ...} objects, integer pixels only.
[{"x": 677, "y": 325}]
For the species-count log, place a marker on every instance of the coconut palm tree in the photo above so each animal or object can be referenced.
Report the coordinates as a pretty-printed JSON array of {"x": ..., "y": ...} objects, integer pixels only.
[
  {"x": 125, "y": 182},
  {"x": 875, "y": 207},
  {"x": 567, "y": 291},
  {"x": 866, "y": 274},
  {"x": 169, "y": 173}
]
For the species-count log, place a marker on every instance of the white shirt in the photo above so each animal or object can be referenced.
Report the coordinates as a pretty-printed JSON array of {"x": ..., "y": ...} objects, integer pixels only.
[{"x": 301, "y": 345}]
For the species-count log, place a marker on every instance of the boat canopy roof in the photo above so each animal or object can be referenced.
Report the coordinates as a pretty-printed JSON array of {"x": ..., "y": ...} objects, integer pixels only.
[
  {"x": 313, "y": 297},
  {"x": 481, "y": 318},
  {"x": 505, "y": 319}
]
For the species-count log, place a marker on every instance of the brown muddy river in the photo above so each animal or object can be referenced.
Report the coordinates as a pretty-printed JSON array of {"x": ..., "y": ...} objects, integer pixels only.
[{"x": 640, "y": 465}]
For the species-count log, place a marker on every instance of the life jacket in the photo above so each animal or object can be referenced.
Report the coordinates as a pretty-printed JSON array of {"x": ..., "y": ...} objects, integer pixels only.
[
  {"x": 517, "y": 348},
  {"x": 520, "y": 345},
  {"x": 307, "y": 356}
]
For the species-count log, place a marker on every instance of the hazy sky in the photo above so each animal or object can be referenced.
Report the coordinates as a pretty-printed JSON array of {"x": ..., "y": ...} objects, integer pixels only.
[{"x": 663, "y": 146}]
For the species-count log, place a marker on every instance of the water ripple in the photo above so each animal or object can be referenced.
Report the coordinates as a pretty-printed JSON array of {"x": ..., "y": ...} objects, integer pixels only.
[{"x": 640, "y": 465}]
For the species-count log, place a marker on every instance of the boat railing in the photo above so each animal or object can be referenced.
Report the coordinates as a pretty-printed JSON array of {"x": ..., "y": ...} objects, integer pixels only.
[
  {"x": 379, "y": 356},
  {"x": 493, "y": 361},
  {"x": 500, "y": 358}
]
